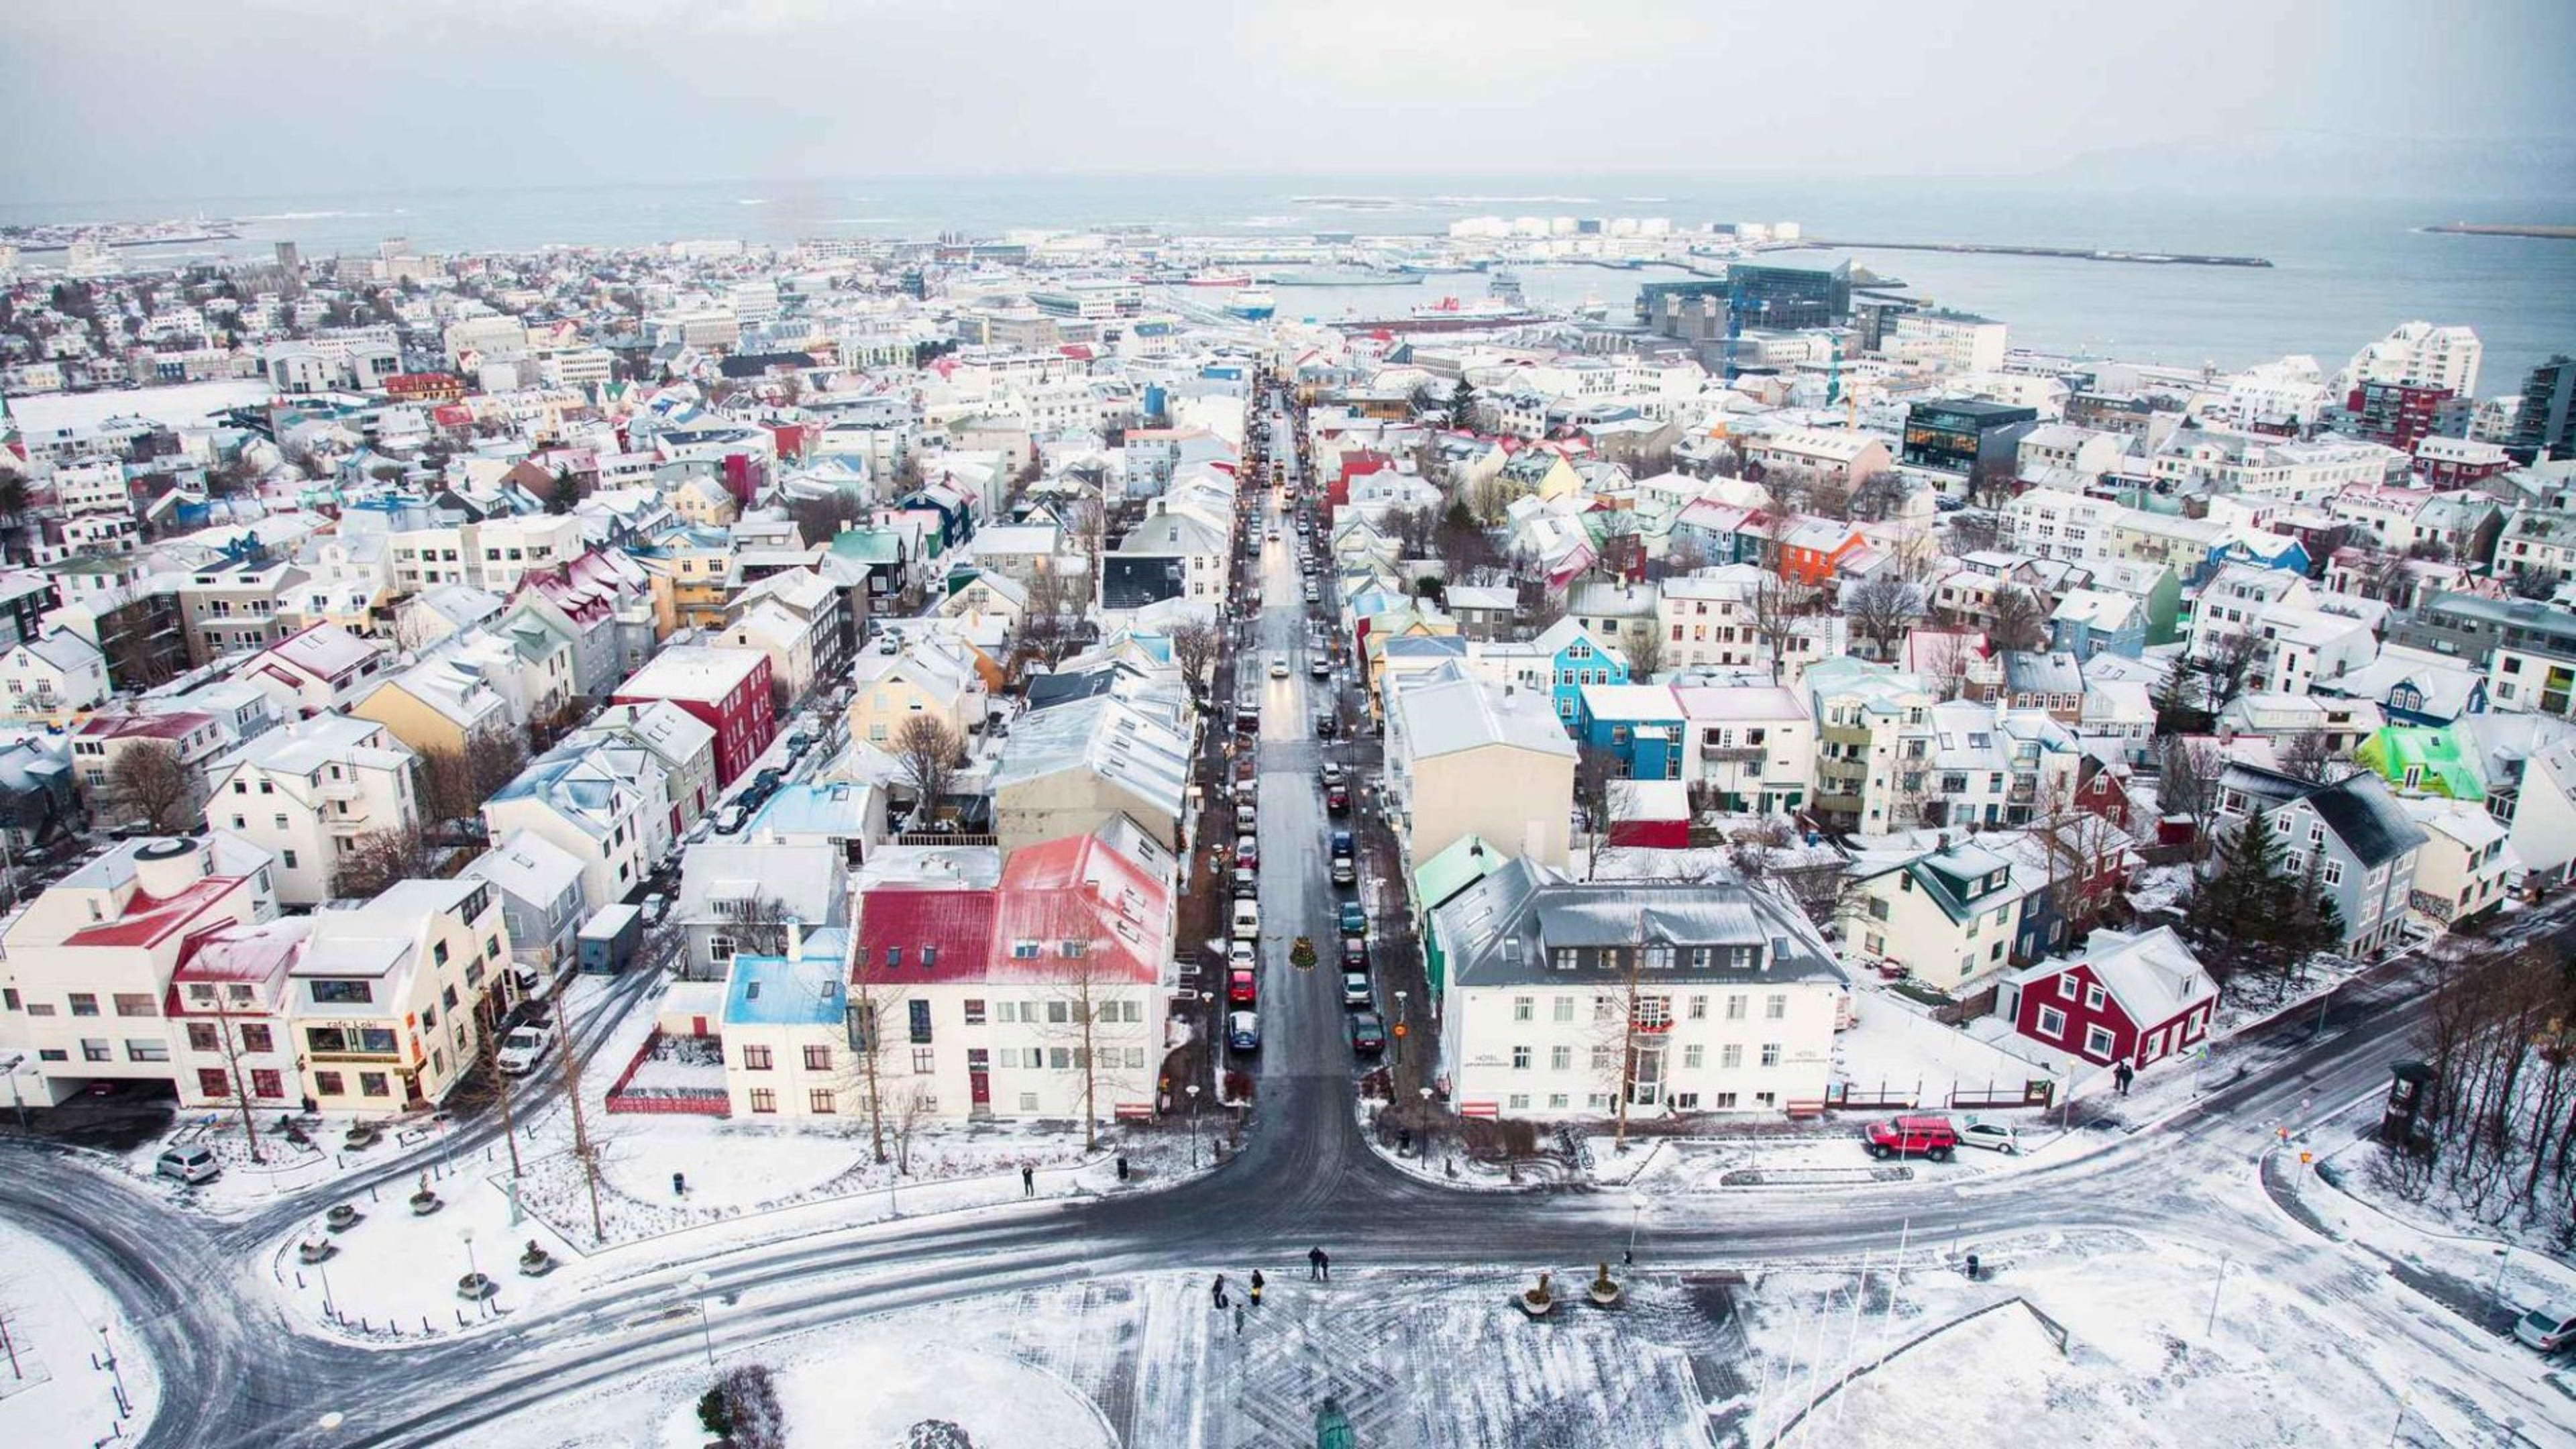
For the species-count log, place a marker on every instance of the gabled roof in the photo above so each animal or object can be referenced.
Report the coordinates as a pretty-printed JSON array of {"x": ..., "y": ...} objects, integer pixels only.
[{"x": 2151, "y": 974}]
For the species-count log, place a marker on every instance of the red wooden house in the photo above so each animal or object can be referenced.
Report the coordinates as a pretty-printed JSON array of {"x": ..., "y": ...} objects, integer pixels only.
[{"x": 2136, "y": 997}]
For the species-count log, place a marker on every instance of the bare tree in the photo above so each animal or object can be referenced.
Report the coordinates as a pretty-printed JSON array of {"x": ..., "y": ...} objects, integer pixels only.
[
  {"x": 2311, "y": 755},
  {"x": 1779, "y": 609},
  {"x": 148, "y": 782},
  {"x": 1766, "y": 857},
  {"x": 1053, "y": 607},
  {"x": 2016, "y": 620},
  {"x": 877, "y": 999},
  {"x": 2187, "y": 783},
  {"x": 1195, "y": 646},
  {"x": 1597, "y": 773},
  {"x": 1944, "y": 660},
  {"x": 379, "y": 859},
  {"x": 927, "y": 751},
  {"x": 913, "y": 1105},
  {"x": 1645, "y": 651},
  {"x": 1089, "y": 1006},
  {"x": 1882, "y": 609},
  {"x": 1975, "y": 532},
  {"x": 1085, "y": 519},
  {"x": 1878, "y": 497},
  {"x": 2226, "y": 667}
]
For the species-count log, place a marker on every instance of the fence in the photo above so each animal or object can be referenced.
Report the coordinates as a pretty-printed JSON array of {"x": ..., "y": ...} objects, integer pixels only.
[
  {"x": 2037, "y": 1092},
  {"x": 696, "y": 1101}
]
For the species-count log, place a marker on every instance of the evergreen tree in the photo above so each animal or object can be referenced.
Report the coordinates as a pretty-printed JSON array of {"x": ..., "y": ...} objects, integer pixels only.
[
  {"x": 2178, "y": 706},
  {"x": 1462, "y": 405},
  {"x": 2242, "y": 909}
]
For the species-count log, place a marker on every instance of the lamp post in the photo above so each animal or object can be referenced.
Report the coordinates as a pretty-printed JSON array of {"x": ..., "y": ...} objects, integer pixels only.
[
  {"x": 1193, "y": 1090},
  {"x": 699, "y": 1282},
  {"x": 1636, "y": 1211},
  {"x": 468, "y": 1235},
  {"x": 1426, "y": 1123},
  {"x": 1399, "y": 1021},
  {"x": 2504, "y": 1255},
  {"x": 2219, "y": 1283}
]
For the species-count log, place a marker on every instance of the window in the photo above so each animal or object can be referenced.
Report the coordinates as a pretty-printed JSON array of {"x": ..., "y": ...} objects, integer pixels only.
[
  {"x": 1775, "y": 1007},
  {"x": 2097, "y": 1041},
  {"x": 2333, "y": 873},
  {"x": 756, "y": 1059},
  {"x": 919, "y": 1011},
  {"x": 2052, "y": 1022},
  {"x": 1523, "y": 1008},
  {"x": 1556, "y": 1101},
  {"x": 1735, "y": 1005},
  {"x": 1770, "y": 1054},
  {"x": 1694, "y": 1057},
  {"x": 211, "y": 1083},
  {"x": 2093, "y": 997},
  {"x": 1699, "y": 1008},
  {"x": 201, "y": 1037},
  {"x": 329, "y": 1084},
  {"x": 1731, "y": 1055},
  {"x": 1560, "y": 1059},
  {"x": 1060, "y": 1058},
  {"x": 1654, "y": 1012},
  {"x": 1564, "y": 1008},
  {"x": 1520, "y": 1058},
  {"x": 975, "y": 1011},
  {"x": 818, "y": 1058},
  {"x": 138, "y": 1049},
  {"x": 764, "y": 1099},
  {"x": 374, "y": 1084},
  {"x": 342, "y": 993},
  {"x": 84, "y": 1004},
  {"x": 288, "y": 857},
  {"x": 2066, "y": 986},
  {"x": 924, "y": 1061},
  {"x": 1517, "y": 1102},
  {"x": 265, "y": 1082},
  {"x": 821, "y": 1102}
]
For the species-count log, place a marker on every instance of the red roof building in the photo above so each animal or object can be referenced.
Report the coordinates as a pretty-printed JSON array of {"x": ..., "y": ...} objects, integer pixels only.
[{"x": 727, "y": 688}]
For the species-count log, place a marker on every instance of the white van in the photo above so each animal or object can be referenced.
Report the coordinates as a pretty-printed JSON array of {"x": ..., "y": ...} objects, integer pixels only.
[{"x": 1247, "y": 921}]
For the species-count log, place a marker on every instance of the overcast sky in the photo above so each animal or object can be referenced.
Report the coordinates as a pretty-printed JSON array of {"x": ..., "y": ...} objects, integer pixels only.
[{"x": 107, "y": 99}]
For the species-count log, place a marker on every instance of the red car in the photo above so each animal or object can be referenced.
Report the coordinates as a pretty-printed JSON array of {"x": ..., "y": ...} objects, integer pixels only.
[
  {"x": 1247, "y": 853},
  {"x": 1239, "y": 988},
  {"x": 1337, "y": 800},
  {"x": 1931, "y": 1137}
]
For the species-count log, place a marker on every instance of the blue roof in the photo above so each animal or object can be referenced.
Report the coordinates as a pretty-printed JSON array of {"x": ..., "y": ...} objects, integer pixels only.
[
  {"x": 838, "y": 809},
  {"x": 774, "y": 991}
]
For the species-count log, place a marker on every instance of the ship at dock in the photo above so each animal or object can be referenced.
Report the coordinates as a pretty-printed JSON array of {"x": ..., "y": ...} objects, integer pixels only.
[{"x": 1252, "y": 304}]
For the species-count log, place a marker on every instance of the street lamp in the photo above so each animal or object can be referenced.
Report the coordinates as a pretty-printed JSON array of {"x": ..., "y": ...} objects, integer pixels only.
[
  {"x": 2219, "y": 1283},
  {"x": 468, "y": 1235},
  {"x": 1636, "y": 1211},
  {"x": 1426, "y": 1123},
  {"x": 1193, "y": 1090},
  {"x": 699, "y": 1282}
]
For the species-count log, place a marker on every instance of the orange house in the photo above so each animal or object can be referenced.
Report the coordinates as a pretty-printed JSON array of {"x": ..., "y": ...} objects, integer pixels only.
[{"x": 1811, "y": 549}]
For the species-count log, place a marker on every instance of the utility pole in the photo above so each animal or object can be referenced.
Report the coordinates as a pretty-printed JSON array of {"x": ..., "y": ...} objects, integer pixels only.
[
  {"x": 501, "y": 1079},
  {"x": 226, "y": 1037}
]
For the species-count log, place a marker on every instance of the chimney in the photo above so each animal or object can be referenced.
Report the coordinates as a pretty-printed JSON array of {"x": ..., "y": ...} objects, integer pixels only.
[{"x": 795, "y": 940}]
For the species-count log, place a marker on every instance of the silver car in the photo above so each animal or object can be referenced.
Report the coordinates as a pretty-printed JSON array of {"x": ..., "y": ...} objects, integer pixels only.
[
  {"x": 191, "y": 1165},
  {"x": 1993, "y": 1136}
]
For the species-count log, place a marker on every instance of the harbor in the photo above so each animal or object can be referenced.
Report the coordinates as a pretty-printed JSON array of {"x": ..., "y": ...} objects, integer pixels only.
[
  {"x": 2081, "y": 254},
  {"x": 2484, "y": 228}
]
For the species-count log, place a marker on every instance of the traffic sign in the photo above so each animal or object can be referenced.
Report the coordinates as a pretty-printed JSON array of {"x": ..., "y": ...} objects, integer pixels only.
[{"x": 1400, "y": 1029}]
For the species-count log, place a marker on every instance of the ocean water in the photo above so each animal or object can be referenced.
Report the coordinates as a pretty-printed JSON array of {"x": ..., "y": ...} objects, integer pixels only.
[{"x": 2345, "y": 269}]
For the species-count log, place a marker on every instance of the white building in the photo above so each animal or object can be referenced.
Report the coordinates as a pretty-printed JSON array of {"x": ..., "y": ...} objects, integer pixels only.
[
  {"x": 1561, "y": 998},
  {"x": 2419, "y": 354},
  {"x": 310, "y": 792}
]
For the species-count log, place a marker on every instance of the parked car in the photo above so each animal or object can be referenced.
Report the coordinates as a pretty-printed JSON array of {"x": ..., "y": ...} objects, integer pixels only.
[
  {"x": 1332, "y": 772},
  {"x": 1356, "y": 990},
  {"x": 1310, "y": 593},
  {"x": 1344, "y": 872},
  {"x": 1327, "y": 723},
  {"x": 1247, "y": 852},
  {"x": 1247, "y": 882},
  {"x": 1247, "y": 921},
  {"x": 1931, "y": 1137},
  {"x": 1354, "y": 919},
  {"x": 191, "y": 1165},
  {"x": 1240, "y": 986},
  {"x": 1354, "y": 954},
  {"x": 1243, "y": 1031},
  {"x": 1996, "y": 1136},
  {"x": 1368, "y": 1033},
  {"x": 1241, "y": 956},
  {"x": 1337, "y": 801},
  {"x": 2549, "y": 1328},
  {"x": 1247, "y": 816},
  {"x": 1319, "y": 667},
  {"x": 522, "y": 1049}
]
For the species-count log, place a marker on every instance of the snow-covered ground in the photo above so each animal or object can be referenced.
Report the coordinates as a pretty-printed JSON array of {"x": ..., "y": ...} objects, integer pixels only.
[
  {"x": 2102, "y": 1339},
  {"x": 997, "y": 1400},
  {"x": 61, "y": 1326},
  {"x": 185, "y": 405},
  {"x": 1894, "y": 1047}
]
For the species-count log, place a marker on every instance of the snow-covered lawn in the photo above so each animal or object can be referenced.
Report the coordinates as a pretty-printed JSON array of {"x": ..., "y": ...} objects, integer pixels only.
[
  {"x": 1894, "y": 1047},
  {"x": 996, "y": 1400},
  {"x": 2310, "y": 1354},
  {"x": 284, "y": 1167},
  {"x": 54, "y": 1387}
]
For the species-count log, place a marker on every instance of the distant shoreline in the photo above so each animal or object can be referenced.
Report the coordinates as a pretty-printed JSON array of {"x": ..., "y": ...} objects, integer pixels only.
[{"x": 2481, "y": 228}]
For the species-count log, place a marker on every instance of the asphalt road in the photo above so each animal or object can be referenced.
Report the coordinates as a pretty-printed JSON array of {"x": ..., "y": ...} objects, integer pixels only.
[{"x": 239, "y": 1375}]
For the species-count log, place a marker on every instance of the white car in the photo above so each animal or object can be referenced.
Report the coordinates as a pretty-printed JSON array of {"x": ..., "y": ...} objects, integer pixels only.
[
  {"x": 1279, "y": 666},
  {"x": 1247, "y": 921},
  {"x": 522, "y": 1049},
  {"x": 2547, "y": 1329},
  {"x": 1995, "y": 1136},
  {"x": 1242, "y": 957}
]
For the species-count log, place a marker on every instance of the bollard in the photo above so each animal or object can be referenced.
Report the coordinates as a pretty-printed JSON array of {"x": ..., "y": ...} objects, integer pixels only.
[{"x": 424, "y": 1325}]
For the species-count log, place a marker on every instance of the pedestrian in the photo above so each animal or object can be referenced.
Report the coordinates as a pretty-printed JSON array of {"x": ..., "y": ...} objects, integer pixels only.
[
  {"x": 2121, "y": 1075},
  {"x": 1256, "y": 1287},
  {"x": 1028, "y": 1180},
  {"x": 1319, "y": 1268},
  {"x": 1217, "y": 1290},
  {"x": 1238, "y": 1320}
]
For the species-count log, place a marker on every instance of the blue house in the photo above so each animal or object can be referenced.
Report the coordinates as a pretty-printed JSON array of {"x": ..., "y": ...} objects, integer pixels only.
[
  {"x": 1641, "y": 724},
  {"x": 1576, "y": 659},
  {"x": 2093, "y": 621},
  {"x": 2263, "y": 550}
]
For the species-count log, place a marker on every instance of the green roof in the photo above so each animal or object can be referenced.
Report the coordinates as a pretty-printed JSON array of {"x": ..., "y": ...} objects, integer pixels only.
[
  {"x": 2440, "y": 758},
  {"x": 1468, "y": 860},
  {"x": 868, "y": 545}
]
